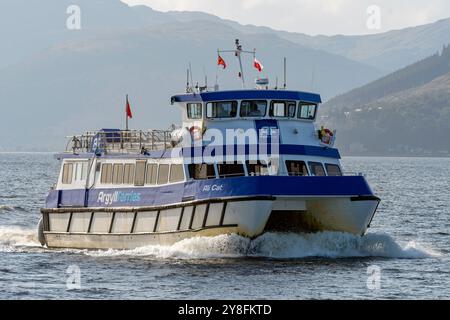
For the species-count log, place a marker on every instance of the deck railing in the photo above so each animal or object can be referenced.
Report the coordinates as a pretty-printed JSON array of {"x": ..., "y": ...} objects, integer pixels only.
[{"x": 120, "y": 141}]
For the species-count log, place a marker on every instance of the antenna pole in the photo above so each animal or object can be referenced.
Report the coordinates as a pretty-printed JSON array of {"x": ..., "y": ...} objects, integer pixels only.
[
  {"x": 284, "y": 85},
  {"x": 190, "y": 72},
  {"x": 187, "y": 80}
]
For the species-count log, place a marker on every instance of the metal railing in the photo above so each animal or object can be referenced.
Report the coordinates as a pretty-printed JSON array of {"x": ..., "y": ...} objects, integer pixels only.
[{"x": 120, "y": 141}]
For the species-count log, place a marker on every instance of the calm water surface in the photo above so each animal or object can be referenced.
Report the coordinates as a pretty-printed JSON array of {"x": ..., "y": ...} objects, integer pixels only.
[{"x": 409, "y": 243}]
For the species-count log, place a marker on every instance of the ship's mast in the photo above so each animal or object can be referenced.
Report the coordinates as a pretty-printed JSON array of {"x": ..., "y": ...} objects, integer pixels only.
[{"x": 238, "y": 52}]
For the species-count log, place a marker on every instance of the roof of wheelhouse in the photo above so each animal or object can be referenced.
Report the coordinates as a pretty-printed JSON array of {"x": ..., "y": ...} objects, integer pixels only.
[{"x": 248, "y": 94}]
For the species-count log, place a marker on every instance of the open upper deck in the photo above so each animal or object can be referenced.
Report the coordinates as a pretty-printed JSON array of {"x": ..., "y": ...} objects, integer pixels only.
[{"x": 120, "y": 141}]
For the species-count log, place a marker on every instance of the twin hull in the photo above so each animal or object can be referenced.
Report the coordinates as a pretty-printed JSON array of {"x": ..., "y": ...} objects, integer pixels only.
[{"x": 131, "y": 226}]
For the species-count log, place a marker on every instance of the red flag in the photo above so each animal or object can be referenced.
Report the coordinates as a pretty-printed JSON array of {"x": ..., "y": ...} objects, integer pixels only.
[
  {"x": 258, "y": 65},
  {"x": 128, "y": 110},
  {"x": 221, "y": 62}
]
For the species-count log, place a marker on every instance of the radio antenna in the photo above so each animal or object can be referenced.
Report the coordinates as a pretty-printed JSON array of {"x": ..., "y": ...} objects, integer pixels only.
[
  {"x": 284, "y": 85},
  {"x": 187, "y": 81},
  {"x": 190, "y": 72}
]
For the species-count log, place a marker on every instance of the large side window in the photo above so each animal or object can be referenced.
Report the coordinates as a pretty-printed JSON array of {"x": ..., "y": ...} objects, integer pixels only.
[
  {"x": 297, "y": 168},
  {"x": 194, "y": 110},
  {"x": 67, "y": 173},
  {"x": 176, "y": 173},
  {"x": 106, "y": 177},
  {"x": 221, "y": 109},
  {"x": 316, "y": 169},
  {"x": 253, "y": 109},
  {"x": 163, "y": 173},
  {"x": 201, "y": 171},
  {"x": 118, "y": 173},
  {"x": 257, "y": 168},
  {"x": 128, "y": 173},
  {"x": 333, "y": 170},
  {"x": 152, "y": 173},
  {"x": 306, "y": 111},
  {"x": 230, "y": 170},
  {"x": 282, "y": 109},
  {"x": 139, "y": 177}
]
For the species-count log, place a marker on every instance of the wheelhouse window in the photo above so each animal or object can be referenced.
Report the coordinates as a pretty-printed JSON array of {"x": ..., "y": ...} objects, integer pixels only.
[
  {"x": 251, "y": 109},
  {"x": 118, "y": 173},
  {"x": 176, "y": 173},
  {"x": 282, "y": 109},
  {"x": 296, "y": 168},
  {"x": 307, "y": 111},
  {"x": 194, "y": 110},
  {"x": 316, "y": 169},
  {"x": 221, "y": 109},
  {"x": 333, "y": 170},
  {"x": 128, "y": 173},
  {"x": 231, "y": 170},
  {"x": 257, "y": 168},
  {"x": 139, "y": 177},
  {"x": 163, "y": 173},
  {"x": 152, "y": 173},
  {"x": 67, "y": 173},
  {"x": 106, "y": 177},
  {"x": 201, "y": 171}
]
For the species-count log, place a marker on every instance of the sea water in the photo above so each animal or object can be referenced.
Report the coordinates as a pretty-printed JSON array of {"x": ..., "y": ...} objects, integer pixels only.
[{"x": 405, "y": 255}]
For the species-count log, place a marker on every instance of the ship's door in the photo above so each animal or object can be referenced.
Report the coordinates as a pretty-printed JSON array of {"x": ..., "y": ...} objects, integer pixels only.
[{"x": 268, "y": 131}]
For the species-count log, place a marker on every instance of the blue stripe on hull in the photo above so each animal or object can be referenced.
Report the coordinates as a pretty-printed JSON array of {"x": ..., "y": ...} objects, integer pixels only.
[{"x": 212, "y": 189}]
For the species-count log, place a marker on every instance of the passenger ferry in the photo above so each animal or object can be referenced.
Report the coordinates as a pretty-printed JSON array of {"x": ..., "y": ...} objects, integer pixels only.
[{"x": 278, "y": 172}]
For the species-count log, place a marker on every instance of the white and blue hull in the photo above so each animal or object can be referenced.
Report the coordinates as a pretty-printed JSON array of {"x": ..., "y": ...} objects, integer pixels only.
[{"x": 124, "y": 226}]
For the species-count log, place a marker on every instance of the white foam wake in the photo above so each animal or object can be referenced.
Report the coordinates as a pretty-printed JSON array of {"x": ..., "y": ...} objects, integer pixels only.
[
  {"x": 282, "y": 246},
  {"x": 15, "y": 238},
  {"x": 270, "y": 245}
]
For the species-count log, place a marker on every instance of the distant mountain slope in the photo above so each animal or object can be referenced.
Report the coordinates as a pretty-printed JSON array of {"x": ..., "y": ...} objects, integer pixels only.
[
  {"x": 54, "y": 81},
  {"x": 388, "y": 51},
  {"x": 25, "y": 32},
  {"x": 81, "y": 84},
  {"x": 405, "y": 113}
]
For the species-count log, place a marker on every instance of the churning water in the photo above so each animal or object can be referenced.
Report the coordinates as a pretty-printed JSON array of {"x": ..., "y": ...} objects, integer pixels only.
[{"x": 408, "y": 244}]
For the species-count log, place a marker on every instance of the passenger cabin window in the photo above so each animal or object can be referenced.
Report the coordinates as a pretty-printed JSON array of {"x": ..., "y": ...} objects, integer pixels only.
[
  {"x": 67, "y": 173},
  {"x": 201, "y": 171},
  {"x": 128, "y": 173},
  {"x": 118, "y": 173},
  {"x": 163, "y": 173},
  {"x": 282, "y": 109},
  {"x": 222, "y": 109},
  {"x": 251, "y": 109},
  {"x": 230, "y": 170},
  {"x": 80, "y": 171},
  {"x": 307, "y": 110},
  {"x": 139, "y": 177},
  {"x": 152, "y": 173},
  {"x": 333, "y": 170},
  {"x": 176, "y": 173},
  {"x": 257, "y": 168},
  {"x": 106, "y": 177},
  {"x": 297, "y": 168},
  {"x": 316, "y": 169},
  {"x": 194, "y": 110}
]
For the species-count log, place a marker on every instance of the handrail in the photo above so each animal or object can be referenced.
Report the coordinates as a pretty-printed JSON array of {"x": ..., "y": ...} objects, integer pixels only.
[{"x": 120, "y": 141}]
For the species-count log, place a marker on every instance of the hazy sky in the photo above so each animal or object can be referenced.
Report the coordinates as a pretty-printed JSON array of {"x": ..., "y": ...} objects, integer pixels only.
[{"x": 315, "y": 16}]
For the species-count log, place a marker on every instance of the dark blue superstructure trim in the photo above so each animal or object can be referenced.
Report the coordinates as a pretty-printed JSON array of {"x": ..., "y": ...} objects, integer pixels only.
[
  {"x": 284, "y": 149},
  {"x": 213, "y": 189},
  {"x": 248, "y": 94}
]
